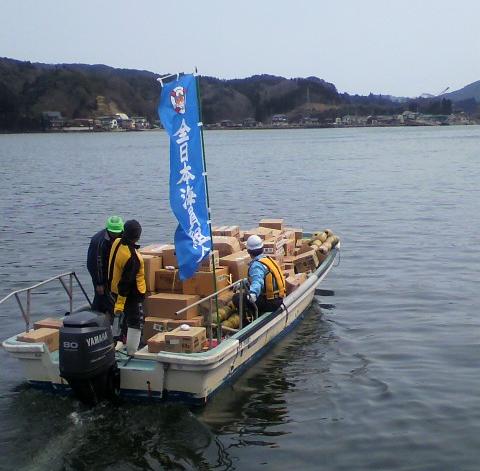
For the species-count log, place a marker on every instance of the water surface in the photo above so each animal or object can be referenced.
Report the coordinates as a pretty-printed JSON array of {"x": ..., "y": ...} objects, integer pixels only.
[{"x": 383, "y": 375}]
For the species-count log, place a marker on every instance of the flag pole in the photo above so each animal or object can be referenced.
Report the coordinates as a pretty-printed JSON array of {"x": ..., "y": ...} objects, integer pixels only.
[{"x": 205, "y": 174}]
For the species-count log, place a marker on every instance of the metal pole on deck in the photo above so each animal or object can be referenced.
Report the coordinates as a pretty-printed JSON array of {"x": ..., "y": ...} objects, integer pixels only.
[
  {"x": 71, "y": 293},
  {"x": 197, "y": 82}
]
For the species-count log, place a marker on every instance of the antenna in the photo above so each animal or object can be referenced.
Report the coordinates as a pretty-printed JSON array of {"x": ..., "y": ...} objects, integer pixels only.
[{"x": 443, "y": 91}]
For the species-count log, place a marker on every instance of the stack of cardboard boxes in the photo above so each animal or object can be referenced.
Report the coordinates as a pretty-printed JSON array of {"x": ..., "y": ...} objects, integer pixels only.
[
  {"x": 45, "y": 331},
  {"x": 170, "y": 302},
  {"x": 167, "y": 294}
]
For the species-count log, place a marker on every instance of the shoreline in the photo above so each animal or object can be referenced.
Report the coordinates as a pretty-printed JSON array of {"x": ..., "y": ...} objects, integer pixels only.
[{"x": 240, "y": 128}]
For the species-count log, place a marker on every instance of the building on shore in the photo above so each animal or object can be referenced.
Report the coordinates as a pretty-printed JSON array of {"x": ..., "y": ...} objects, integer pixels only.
[
  {"x": 140, "y": 123},
  {"x": 279, "y": 120},
  {"x": 106, "y": 123},
  {"x": 52, "y": 120}
]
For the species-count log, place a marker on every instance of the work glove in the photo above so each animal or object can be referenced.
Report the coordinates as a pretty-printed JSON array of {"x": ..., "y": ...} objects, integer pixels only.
[
  {"x": 119, "y": 305},
  {"x": 252, "y": 297}
]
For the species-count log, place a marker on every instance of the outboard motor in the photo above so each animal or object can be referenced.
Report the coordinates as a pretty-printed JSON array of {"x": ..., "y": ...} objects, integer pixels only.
[{"x": 87, "y": 357}]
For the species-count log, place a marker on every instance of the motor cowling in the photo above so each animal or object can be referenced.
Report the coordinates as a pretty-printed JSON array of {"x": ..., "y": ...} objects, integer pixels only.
[{"x": 87, "y": 357}]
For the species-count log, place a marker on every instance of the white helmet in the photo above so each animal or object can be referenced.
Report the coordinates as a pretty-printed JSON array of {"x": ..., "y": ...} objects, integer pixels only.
[{"x": 254, "y": 242}]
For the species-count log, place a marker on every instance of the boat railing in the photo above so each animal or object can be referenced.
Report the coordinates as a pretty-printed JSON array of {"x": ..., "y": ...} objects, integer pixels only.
[
  {"x": 67, "y": 285},
  {"x": 212, "y": 300}
]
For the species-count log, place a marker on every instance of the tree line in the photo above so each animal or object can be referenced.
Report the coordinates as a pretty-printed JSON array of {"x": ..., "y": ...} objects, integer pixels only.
[{"x": 28, "y": 89}]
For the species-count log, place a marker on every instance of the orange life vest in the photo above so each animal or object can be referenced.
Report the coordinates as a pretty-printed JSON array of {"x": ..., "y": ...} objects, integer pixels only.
[{"x": 274, "y": 279}]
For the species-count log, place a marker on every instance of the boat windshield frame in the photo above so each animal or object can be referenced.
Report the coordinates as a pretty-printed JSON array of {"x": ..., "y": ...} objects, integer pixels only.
[{"x": 26, "y": 310}]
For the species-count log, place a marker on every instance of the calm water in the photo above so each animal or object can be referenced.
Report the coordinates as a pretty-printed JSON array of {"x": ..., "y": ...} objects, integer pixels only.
[{"x": 382, "y": 376}]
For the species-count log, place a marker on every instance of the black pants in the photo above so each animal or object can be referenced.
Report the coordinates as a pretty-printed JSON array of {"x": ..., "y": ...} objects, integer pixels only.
[
  {"x": 268, "y": 305},
  {"x": 132, "y": 314},
  {"x": 103, "y": 302},
  {"x": 262, "y": 303}
]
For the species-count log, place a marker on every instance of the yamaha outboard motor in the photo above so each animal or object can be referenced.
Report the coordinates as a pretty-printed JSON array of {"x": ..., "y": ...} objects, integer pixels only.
[{"x": 87, "y": 357}]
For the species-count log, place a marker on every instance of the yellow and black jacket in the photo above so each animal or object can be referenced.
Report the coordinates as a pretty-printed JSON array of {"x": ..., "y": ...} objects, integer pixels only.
[
  {"x": 126, "y": 274},
  {"x": 274, "y": 280}
]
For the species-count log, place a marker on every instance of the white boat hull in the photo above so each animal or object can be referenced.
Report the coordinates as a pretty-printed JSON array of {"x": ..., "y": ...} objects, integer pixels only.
[{"x": 190, "y": 378}]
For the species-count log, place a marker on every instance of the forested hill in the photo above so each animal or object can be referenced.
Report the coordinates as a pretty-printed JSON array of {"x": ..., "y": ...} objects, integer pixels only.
[{"x": 88, "y": 91}]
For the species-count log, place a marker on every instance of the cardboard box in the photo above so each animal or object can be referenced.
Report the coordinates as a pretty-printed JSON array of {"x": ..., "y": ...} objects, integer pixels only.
[
  {"x": 237, "y": 264},
  {"x": 293, "y": 282},
  {"x": 156, "y": 343},
  {"x": 153, "y": 326},
  {"x": 169, "y": 257},
  {"x": 49, "y": 323},
  {"x": 262, "y": 232},
  {"x": 185, "y": 341},
  {"x": 289, "y": 246},
  {"x": 207, "y": 265},
  {"x": 201, "y": 283},
  {"x": 272, "y": 223},
  {"x": 278, "y": 255},
  {"x": 165, "y": 305},
  {"x": 320, "y": 255},
  {"x": 50, "y": 337},
  {"x": 288, "y": 234},
  {"x": 154, "y": 249},
  {"x": 168, "y": 281},
  {"x": 232, "y": 231},
  {"x": 229, "y": 231},
  {"x": 273, "y": 245},
  {"x": 226, "y": 245},
  {"x": 151, "y": 264},
  {"x": 298, "y": 232},
  {"x": 196, "y": 321},
  {"x": 303, "y": 246},
  {"x": 306, "y": 262}
]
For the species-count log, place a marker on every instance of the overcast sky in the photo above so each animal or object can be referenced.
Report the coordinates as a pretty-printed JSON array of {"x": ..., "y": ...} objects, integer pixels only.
[{"x": 402, "y": 48}]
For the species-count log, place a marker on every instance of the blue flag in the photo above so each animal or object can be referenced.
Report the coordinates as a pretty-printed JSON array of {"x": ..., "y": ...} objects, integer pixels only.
[{"x": 179, "y": 113}]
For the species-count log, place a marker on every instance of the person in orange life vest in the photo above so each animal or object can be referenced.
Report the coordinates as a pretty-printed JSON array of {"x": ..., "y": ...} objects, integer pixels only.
[
  {"x": 267, "y": 282},
  {"x": 127, "y": 282}
]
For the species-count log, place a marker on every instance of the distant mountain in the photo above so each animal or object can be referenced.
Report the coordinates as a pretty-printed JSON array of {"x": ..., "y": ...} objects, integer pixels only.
[
  {"x": 83, "y": 91},
  {"x": 468, "y": 93},
  {"x": 76, "y": 90},
  {"x": 87, "y": 91}
]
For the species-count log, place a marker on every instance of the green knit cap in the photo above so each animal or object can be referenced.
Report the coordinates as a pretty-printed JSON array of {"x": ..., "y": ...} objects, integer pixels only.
[{"x": 115, "y": 224}]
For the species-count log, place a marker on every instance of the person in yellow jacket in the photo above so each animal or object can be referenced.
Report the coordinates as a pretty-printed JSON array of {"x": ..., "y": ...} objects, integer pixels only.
[{"x": 127, "y": 283}]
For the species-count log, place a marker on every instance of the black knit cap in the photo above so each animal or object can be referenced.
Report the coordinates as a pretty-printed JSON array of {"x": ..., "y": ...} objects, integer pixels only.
[{"x": 132, "y": 230}]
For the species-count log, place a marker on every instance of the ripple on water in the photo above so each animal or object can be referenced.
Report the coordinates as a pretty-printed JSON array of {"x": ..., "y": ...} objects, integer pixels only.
[{"x": 385, "y": 379}]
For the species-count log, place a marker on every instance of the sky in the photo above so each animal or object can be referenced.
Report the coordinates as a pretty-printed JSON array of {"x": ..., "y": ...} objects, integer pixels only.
[{"x": 390, "y": 47}]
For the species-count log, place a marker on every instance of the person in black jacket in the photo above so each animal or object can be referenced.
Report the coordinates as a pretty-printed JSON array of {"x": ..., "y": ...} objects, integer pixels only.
[{"x": 97, "y": 263}]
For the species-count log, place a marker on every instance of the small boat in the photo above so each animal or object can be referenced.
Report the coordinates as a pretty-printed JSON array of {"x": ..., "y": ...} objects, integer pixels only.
[
  {"x": 82, "y": 357},
  {"x": 191, "y": 378}
]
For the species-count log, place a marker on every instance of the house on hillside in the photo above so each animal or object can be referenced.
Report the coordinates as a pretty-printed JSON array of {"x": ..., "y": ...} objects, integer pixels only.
[
  {"x": 52, "y": 120},
  {"x": 124, "y": 122},
  {"x": 140, "y": 123},
  {"x": 106, "y": 123},
  {"x": 249, "y": 123},
  {"x": 279, "y": 119},
  {"x": 407, "y": 116},
  {"x": 309, "y": 121}
]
